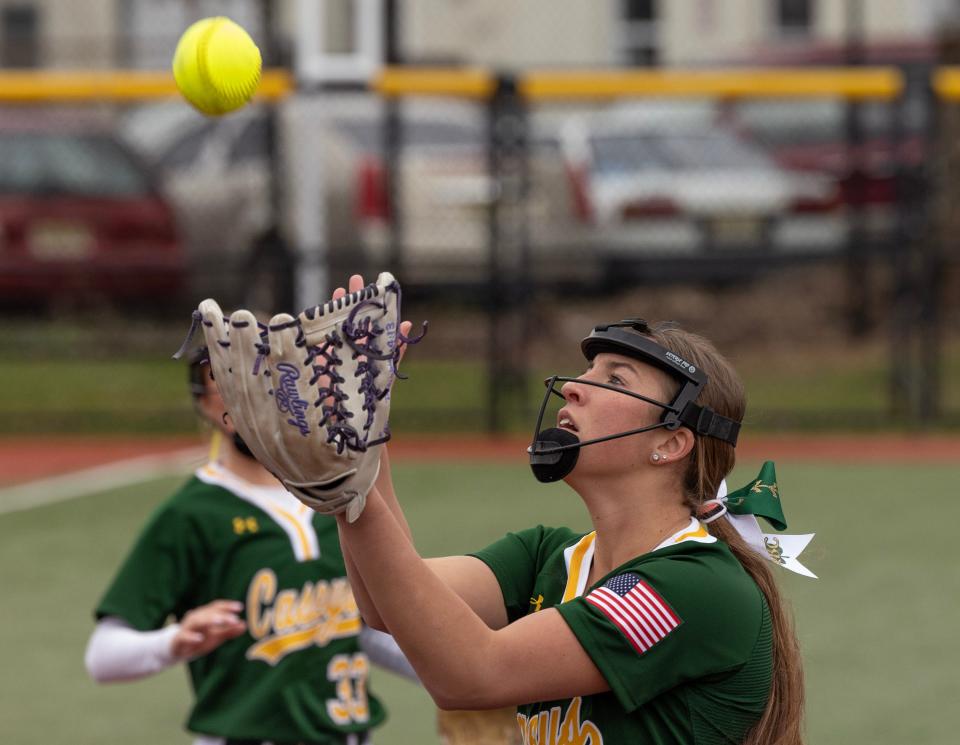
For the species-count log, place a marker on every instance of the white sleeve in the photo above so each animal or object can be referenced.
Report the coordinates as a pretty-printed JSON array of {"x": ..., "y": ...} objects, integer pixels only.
[
  {"x": 118, "y": 652},
  {"x": 383, "y": 651}
]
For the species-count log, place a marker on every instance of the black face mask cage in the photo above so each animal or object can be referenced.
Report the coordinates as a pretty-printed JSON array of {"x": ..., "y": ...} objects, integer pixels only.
[
  {"x": 553, "y": 452},
  {"x": 196, "y": 371},
  {"x": 551, "y": 384}
]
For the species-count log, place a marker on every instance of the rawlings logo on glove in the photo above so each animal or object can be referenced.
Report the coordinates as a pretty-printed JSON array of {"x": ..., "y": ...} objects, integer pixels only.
[{"x": 310, "y": 395}]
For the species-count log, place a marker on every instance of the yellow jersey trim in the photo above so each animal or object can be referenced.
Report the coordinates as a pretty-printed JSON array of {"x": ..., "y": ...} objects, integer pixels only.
[{"x": 579, "y": 566}]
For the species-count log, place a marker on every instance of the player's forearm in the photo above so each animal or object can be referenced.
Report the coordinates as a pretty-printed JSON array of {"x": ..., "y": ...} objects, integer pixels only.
[
  {"x": 384, "y": 485},
  {"x": 444, "y": 640},
  {"x": 116, "y": 652},
  {"x": 368, "y": 609}
]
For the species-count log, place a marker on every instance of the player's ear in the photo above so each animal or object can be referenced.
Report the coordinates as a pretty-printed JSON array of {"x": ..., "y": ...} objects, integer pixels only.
[{"x": 677, "y": 444}]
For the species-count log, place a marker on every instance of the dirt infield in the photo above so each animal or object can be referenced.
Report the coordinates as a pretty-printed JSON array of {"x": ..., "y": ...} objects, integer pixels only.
[{"x": 29, "y": 458}]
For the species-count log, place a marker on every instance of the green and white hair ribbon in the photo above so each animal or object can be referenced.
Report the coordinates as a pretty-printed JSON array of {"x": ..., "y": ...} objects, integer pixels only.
[{"x": 761, "y": 498}]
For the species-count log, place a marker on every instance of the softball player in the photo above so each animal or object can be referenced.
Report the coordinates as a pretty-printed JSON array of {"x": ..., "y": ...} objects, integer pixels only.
[
  {"x": 659, "y": 626},
  {"x": 265, "y": 615}
]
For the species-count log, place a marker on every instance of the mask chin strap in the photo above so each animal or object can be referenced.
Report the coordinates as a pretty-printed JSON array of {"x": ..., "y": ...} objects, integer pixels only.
[{"x": 553, "y": 454}]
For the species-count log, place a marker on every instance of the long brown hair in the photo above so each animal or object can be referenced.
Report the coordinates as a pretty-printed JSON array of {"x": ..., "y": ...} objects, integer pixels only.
[{"x": 709, "y": 462}]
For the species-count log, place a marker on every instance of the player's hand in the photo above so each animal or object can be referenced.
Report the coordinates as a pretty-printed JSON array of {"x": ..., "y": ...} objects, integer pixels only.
[
  {"x": 205, "y": 628},
  {"x": 356, "y": 283},
  {"x": 384, "y": 482}
]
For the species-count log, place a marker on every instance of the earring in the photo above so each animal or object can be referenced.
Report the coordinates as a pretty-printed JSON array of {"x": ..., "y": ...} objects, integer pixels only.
[{"x": 655, "y": 457}]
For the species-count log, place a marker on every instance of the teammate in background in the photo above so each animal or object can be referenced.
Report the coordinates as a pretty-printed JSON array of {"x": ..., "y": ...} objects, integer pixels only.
[
  {"x": 660, "y": 626},
  {"x": 265, "y": 615}
]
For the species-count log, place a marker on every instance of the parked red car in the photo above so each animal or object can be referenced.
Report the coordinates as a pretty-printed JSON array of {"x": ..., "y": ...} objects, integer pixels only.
[
  {"x": 80, "y": 219},
  {"x": 811, "y": 135}
]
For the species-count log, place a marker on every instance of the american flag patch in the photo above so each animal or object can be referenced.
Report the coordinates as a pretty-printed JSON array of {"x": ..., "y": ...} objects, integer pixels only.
[{"x": 636, "y": 609}]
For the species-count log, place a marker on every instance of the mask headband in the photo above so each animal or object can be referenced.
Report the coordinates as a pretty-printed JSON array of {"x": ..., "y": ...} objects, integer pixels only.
[
  {"x": 553, "y": 452},
  {"x": 682, "y": 411}
]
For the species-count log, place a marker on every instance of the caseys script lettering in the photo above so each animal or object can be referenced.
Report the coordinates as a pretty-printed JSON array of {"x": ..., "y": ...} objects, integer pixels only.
[
  {"x": 288, "y": 397},
  {"x": 290, "y": 620},
  {"x": 546, "y": 728}
]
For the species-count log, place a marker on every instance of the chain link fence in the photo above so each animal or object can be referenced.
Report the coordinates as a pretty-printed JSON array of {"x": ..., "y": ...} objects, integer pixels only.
[{"x": 810, "y": 235}]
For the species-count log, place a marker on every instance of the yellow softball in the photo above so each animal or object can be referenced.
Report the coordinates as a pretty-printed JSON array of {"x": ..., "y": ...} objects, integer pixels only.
[{"x": 216, "y": 65}]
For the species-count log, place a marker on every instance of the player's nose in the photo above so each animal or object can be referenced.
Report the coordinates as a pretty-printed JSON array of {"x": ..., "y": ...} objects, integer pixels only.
[{"x": 572, "y": 391}]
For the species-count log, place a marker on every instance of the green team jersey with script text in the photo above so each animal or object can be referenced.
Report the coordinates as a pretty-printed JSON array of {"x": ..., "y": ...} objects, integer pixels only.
[
  {"x": 297, "y": 673},
  {"x": 682, "y": 635}
]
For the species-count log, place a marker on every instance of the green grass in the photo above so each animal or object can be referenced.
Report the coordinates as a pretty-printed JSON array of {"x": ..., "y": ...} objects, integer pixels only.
[
  {"x": 147, "y": 395},
  {"x": 76, "y": 396},
  {"x": 876, "y": 629},
  {"x": 109, "y": 374}
]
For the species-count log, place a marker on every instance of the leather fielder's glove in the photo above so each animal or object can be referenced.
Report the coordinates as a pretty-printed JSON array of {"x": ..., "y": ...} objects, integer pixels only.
[{"x": 310, "y": 395}]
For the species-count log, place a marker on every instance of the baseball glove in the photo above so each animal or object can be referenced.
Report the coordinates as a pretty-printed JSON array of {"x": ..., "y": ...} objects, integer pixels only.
[{"x": 310, "y": 395}]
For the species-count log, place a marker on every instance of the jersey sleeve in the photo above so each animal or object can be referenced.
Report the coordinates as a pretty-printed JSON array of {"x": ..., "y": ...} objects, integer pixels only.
[
  {"x": 154, "y": 579},
  {"x": 660, "y": 624},
  {"x": 513, "y": 560}
]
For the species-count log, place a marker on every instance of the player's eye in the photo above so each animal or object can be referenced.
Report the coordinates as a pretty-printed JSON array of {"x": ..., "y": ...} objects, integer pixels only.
[{"x": 615, "y": 380}]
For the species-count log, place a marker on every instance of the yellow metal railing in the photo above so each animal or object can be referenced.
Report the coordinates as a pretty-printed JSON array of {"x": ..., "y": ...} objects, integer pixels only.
[
  {"x": 946, "y": 83},
  {"x": 883, "y": 83},
  {"x": 857, "y": 83},
  {"x": 880, "y": 82},
  {"x": 54, "y": 85}
]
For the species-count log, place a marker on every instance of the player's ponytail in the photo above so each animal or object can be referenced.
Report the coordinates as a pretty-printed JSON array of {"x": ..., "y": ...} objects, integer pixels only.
[{"x": 710, "y": 461}]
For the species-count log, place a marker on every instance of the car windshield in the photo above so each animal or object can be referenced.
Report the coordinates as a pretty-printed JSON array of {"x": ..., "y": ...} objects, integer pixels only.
[
  {"x": 91, "y": 165},
  {"x": 712, "y": 150},
  {"x": 625, "y": 153}
]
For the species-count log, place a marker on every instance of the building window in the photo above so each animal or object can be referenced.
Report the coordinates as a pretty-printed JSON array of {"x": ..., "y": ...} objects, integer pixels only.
[
  {"x": 794, "y": 17},
  {"x": 19, "y": 43},
  {"x": 638, "y": 21}
]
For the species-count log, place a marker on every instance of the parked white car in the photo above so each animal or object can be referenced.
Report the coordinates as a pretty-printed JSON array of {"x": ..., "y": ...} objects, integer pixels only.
[
  {"x": 217, "y": 173},
  {"x": 672, "y": 180}
]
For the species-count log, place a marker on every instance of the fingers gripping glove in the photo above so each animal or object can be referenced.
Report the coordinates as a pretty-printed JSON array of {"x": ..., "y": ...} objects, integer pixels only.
[{"x": 310, "y": 395}]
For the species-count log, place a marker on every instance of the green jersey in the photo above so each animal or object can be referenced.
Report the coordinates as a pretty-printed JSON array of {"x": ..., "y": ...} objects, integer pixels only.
[
  {"x": 297, "y": 673},
  {"x": 682, "y": 634}
]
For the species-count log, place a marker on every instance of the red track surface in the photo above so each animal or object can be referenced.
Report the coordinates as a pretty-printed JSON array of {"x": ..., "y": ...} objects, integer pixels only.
[{"x": 27, "y": 458}]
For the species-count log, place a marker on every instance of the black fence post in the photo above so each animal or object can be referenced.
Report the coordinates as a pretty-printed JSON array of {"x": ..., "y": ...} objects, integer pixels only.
[
  {"x": 508, "y": 281},
  {"x": 857, "y": 254},
  {"x": 910, "y": 208},
  {"x": 930, "y": 264},
  {"x": 393, "y": 143},
  {"x": 270, "y": 263},
  {"x": 923, "y": 224}
]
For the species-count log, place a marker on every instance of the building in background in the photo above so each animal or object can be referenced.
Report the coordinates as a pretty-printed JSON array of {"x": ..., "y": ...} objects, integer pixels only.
[
  {"x": 496, "y": 33},
  {"x": 502, "y": 33},
  {"x": 47, "y": 33}
]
